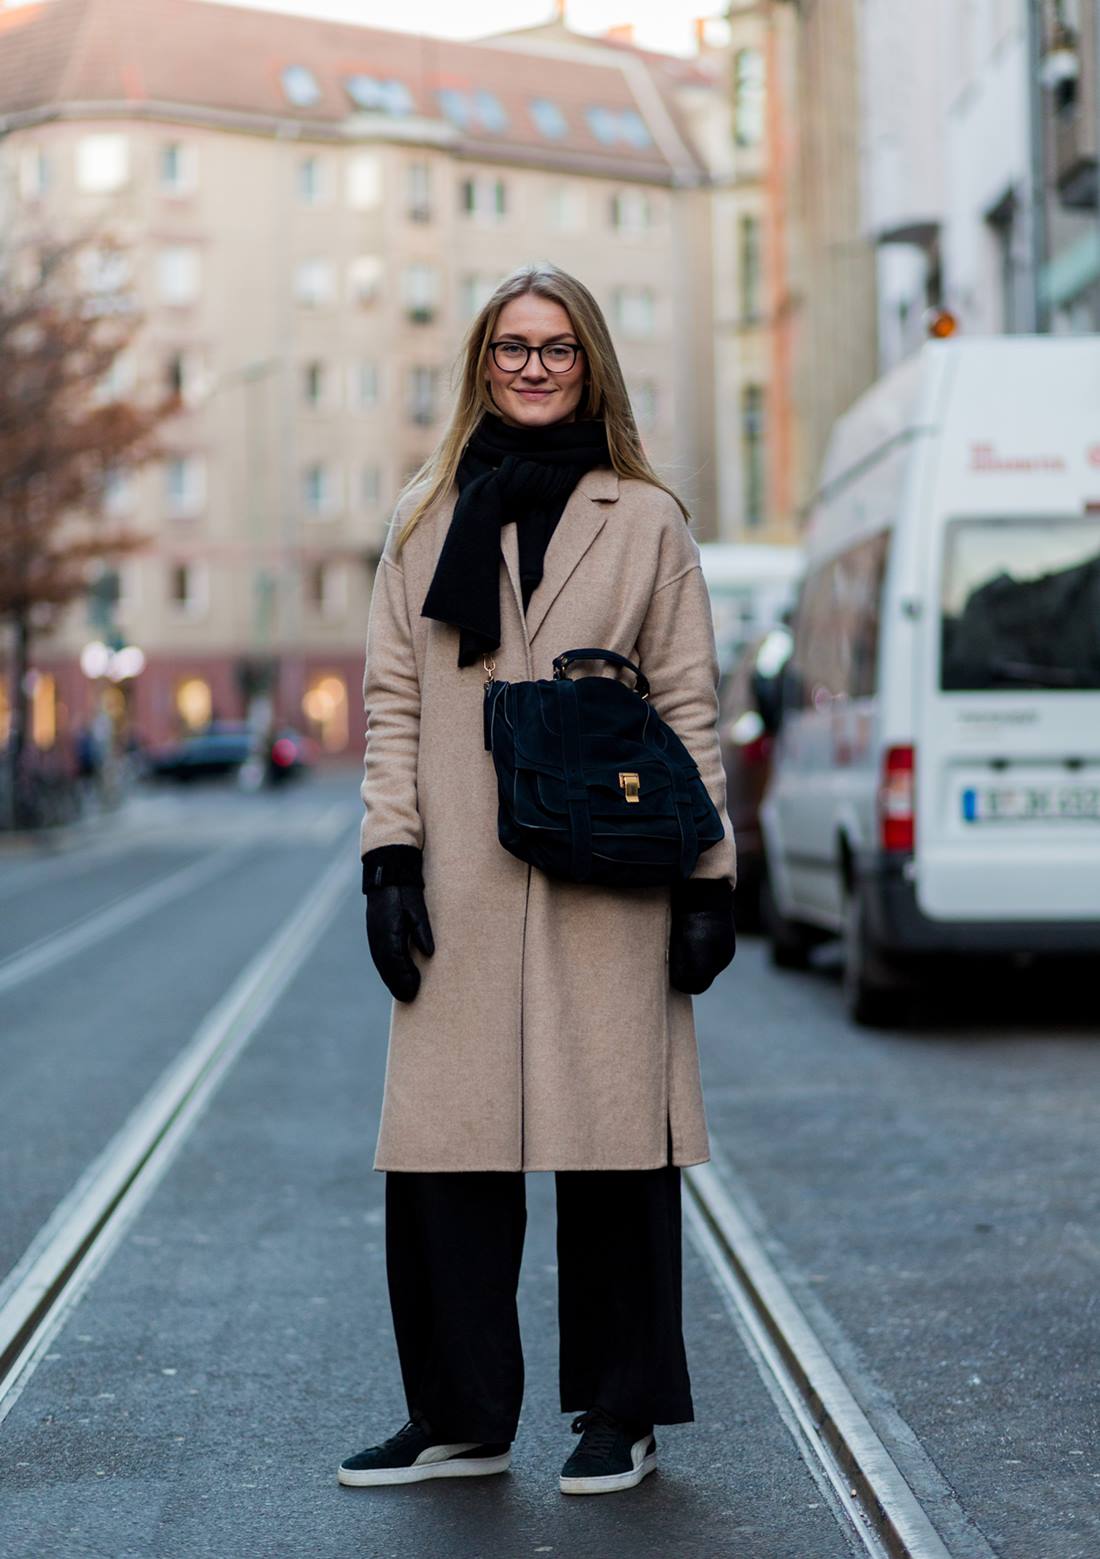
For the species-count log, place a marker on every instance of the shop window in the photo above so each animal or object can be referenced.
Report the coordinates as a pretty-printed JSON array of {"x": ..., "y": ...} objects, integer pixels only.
[
  {"x": 325, "y": 705},
  {"x": 194, "y": 703}
]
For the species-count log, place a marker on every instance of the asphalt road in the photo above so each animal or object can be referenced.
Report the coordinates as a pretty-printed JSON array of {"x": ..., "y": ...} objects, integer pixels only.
[{"x": 930, "y": 1196}]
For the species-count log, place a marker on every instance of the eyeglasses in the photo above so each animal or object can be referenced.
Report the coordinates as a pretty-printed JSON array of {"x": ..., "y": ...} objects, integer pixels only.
[{"x": 512, "y": 356}]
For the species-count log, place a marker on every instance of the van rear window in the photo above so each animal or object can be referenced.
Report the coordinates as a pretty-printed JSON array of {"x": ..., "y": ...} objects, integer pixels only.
[{"x": 1020, "y": 605}]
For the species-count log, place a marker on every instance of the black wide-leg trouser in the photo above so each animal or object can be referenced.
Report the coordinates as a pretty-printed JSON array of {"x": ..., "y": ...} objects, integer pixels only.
[{"x": 453, "y": 1247}]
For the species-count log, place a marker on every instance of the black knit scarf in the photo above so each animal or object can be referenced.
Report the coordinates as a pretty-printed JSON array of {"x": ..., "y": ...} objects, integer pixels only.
[{"x": 505, "y": 474}]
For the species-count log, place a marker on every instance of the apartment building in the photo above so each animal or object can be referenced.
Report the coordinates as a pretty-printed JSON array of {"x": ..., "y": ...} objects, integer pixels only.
[
  {"x": 311, "y": 214},
  {"x": 981, "y": 131}
]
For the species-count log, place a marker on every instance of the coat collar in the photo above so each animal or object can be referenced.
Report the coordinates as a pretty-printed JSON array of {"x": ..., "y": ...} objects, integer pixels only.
[{"x": 582, "y": 520}]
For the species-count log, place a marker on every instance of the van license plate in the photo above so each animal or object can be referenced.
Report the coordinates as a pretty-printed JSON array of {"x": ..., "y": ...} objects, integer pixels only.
[{"x": 1031, "y": 803}]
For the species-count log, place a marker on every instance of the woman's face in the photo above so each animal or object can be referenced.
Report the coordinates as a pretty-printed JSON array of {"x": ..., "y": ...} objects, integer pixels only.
[{"x": 533, "y": 396}]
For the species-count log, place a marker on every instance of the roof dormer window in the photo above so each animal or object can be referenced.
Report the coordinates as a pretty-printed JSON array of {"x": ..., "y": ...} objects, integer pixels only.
[{"x": 300, "y": 86}]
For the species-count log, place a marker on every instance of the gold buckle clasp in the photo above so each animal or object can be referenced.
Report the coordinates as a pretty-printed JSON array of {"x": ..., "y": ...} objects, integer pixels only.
[{"x": 631, "y": 784}]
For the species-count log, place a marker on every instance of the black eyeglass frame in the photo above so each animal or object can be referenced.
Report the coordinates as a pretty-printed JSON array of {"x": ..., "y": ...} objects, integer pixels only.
[{"x": 574, "y": 346}]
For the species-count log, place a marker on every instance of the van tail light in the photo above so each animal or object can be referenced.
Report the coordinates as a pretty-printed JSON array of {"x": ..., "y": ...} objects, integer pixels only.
[{"x": 896, "y": 800}]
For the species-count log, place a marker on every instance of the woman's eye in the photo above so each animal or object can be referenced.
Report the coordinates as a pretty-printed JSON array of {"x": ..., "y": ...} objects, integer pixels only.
[
  {"x": 558, "y": 354},
  {"x": 511, "y": 352}
]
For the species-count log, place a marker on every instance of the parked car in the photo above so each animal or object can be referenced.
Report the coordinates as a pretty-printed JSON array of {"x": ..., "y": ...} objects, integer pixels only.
[
  {"x": 225, "y": 747},
  {"x": 748, "y": 697},
  {"x": 935, "y": 785}
]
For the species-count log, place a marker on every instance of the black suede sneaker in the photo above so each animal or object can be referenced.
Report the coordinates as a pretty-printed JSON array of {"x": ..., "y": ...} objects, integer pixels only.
[
  {"x": 612, "y": 1455},
  {"x": 411, "y": 1455}
]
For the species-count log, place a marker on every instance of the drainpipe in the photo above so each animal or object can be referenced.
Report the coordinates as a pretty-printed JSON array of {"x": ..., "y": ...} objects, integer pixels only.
[{"x": 1037, "y": 173}]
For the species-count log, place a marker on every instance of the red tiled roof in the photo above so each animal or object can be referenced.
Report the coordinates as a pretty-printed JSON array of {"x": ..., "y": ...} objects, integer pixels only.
[{"x": 230, "y": 59}]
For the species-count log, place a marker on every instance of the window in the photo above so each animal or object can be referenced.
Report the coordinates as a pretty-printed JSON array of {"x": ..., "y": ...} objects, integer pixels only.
[
  {"x": 837, "y": 626},
  {"x": 102, "y": 163},
  {"x": 455, "y": 106},
  {"x": 749, "y": 268},
  {"x": 300, "y": 86},
  {"x": 105, "y": 275},
  {"x": 480, "y": 109},
  {"x": 364, "y": 279},
  {"x": 634, "y": 311},
  {"x": 375, "y": 96},
  {"x": 179, "y": 274},
  {"x": 549, "y": 119},
  {"x": 1018, "y": 604},
  {"x": 364, "y": 182},
  {"x": 565, "y": 208},
  {"x": 418, "y": 192},
  {"x": 176, "y": 168},
  {"x": 643, "y": 398},
  {"x": 313, "y": 283},
  {"x": 319, "y": 488},
  {"x": 748, "y": 97},
  {"x": 631, "y": 211},
  {"x": 752, "y": 453},
  {"x": 483, "y": 198},
  {"x": 474, "y": 292},
  {"x": 611, "y": 126},
  {"x": 189, "y": 590},
  {"x": 186, "y": 375},
  {"x": 313, "y": 383},
  {"x": 35, "y": 173},
  {"x": 119, "y": 492},
  {"x": 422, "y": 385},
  {"x": 194, "y": 703},
  {"x": 420, "y": 292},
  {"x": 326, "y": 588},
  {"x": 184, "y": 486},
  {"x": 120, "y": 380},
  {"x": 489, "y": 112},
  {"x": 365, "y": 385},
  {"x": 325, "y": 705},
  {"x": 311, "y": 181},
  {"x": 370, "y": 486}
]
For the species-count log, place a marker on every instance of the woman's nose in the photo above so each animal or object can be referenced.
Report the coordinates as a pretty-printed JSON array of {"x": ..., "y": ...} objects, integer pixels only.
[{"x": 533, "y": 368}]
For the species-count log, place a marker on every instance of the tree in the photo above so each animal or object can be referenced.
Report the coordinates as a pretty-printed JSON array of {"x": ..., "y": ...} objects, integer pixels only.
[{"x": 64, "y": 438}]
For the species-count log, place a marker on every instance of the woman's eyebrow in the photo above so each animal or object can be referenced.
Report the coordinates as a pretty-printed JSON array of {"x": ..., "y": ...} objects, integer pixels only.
[{"x": 518, "y": 335}]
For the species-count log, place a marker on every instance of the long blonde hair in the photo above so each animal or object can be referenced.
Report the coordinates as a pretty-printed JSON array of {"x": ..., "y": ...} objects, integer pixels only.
[{"x": 604, "y": 395}]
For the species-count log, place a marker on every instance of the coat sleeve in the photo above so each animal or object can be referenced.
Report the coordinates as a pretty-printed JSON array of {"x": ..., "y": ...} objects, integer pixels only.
[
  {"x": 677, "y": 653},
  {"x": 391, "y": 701}
]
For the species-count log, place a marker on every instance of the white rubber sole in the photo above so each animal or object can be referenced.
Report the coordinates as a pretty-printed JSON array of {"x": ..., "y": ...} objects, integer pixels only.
[
  {"x": 459, "y": 1467},
  {"x": 611, "y": 1484}
]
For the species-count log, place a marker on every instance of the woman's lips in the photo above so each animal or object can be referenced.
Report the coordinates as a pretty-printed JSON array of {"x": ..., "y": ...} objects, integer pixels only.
[{"x": 534, "y": 395}]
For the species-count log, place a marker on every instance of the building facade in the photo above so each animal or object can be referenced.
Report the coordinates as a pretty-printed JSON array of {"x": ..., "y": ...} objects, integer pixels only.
[{"x": 310, "y": 216}]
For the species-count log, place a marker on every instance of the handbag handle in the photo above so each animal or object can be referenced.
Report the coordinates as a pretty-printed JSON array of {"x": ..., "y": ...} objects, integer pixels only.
[{"x": 563, "y": 661}]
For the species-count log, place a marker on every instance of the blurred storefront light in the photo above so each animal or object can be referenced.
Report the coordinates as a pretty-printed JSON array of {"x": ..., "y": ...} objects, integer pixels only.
[{"x": 325, "y": 702}]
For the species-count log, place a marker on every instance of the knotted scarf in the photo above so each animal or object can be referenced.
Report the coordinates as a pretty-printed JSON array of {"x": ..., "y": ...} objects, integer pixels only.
[{"x": 506, "y": 474}]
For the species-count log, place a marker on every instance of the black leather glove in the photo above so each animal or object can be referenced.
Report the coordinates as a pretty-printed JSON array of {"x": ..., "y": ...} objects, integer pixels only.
[
  {"x": 703, "y": 939},
  {"x": 396, "y": 915}
]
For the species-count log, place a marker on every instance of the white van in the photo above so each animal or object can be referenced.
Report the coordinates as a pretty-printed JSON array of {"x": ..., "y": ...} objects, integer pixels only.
[{"x": 936, "y": 781}]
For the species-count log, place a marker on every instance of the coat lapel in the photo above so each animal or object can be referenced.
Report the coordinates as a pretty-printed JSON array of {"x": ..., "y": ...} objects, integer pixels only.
[{"x": 582, "y": 520}]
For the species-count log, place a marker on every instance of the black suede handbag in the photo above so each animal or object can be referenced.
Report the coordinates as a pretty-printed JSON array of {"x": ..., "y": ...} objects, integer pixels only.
[{"x": 593, "y": 785}]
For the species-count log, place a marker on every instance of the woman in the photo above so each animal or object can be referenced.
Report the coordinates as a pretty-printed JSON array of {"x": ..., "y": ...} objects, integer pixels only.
[{"x": 537, "y": 1024}]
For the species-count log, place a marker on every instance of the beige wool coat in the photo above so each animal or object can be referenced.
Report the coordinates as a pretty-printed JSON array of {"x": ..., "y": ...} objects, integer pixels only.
[{"x": 545, "y": 1034}]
